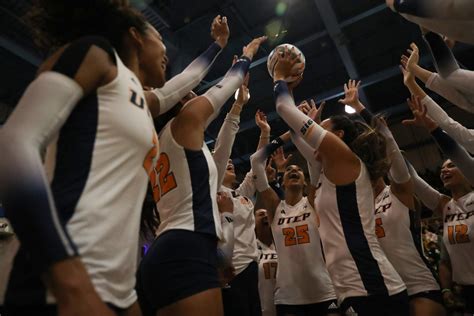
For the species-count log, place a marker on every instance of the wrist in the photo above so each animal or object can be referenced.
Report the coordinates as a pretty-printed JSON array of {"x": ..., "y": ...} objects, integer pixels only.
[
  {"x": 446, "y": 290},
  {"x": 358, "y": 106},
  {"x": 221, "y": 42}
]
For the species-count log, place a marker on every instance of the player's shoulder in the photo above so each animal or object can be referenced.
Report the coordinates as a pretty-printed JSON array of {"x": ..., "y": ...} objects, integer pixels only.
[{"x": 68, "y": 58}]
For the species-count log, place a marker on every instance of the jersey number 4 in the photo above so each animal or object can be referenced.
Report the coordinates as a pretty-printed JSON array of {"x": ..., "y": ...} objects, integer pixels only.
[
  {"x": 458, "y": 234},
  {"x": 296, "y": 236}
]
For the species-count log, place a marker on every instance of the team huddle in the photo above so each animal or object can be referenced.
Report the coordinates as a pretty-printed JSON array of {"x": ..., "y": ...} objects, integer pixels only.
[{"x": 100, "y": 130}]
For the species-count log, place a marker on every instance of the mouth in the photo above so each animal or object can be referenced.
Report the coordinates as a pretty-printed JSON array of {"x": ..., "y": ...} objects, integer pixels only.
[
  {"x": 294, "y": 176},
  {"x": 446, "y": 177}
]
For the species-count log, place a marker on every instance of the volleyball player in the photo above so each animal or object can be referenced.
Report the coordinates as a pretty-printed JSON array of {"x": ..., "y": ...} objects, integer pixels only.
[
  {"x": 303, "y": 285},
  {"x": 241, "y": 297},
  {"x": 457, "y": 212},
  {"x": 395, "y": 216},
  {"x": 87, "y": 104},
  {"x": 268, "y": 263},
  {"x": 185, "y": 189},
  {"x": 352, "y": 156}
]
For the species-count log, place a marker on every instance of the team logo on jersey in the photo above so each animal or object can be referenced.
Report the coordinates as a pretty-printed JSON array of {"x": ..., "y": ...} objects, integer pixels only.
[
  {"x": 332, "y": 306},
  {"x": 383, "y": 208},
  {"x": 293, "y": 219},
  {"x": 457, "y": 216},
  {"x": 136, "y": 99},
  {"x": 282, "y": 212},
  {"x": 351, "y": 312}
]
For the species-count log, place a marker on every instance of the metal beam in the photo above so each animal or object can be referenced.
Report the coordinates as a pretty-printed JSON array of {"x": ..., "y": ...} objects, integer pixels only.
[
  {"x": 329, "y": 18},
  {"x": 19, "y": 51},
  {"x": 312, "y": 38}
]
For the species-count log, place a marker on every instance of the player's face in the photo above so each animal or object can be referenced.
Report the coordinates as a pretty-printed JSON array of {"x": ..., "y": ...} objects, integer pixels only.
[
  {"x": 450, "y": 175},
  {"x": 229, "y": 172},
  {"x": 153, "y": 59},
  {"x": 261, "y": 218},
  {"x": 293, "y": 176}
]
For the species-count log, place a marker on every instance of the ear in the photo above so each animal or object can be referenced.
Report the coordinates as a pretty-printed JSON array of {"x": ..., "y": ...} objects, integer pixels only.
[
  {"x": 339, "y": 133},
  {"x": 136, "y": 36}
]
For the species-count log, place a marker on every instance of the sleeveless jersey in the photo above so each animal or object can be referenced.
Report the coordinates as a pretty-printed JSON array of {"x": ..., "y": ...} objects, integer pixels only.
[
  {"x": 186, "y": 188},
  {"x": 355, "y": 261},
  {"x": 245, "y": 242},
  {"x": 95, "y": 166},
  {"x": 267, "y": 269},
  {"x": 393, "y": 229},
  {"x": 458, "y": 237},
  {"x": 302, "y": 277}
]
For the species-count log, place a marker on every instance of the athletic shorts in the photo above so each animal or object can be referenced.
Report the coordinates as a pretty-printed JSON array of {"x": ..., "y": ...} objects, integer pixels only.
[
  {"x": 395, "y": 305},
  {"x": 178, "y": 264},
  {"x": 434, "y": 295},
  {"x": 241, "y": 297},
  {"x": 316, "y": 309}
]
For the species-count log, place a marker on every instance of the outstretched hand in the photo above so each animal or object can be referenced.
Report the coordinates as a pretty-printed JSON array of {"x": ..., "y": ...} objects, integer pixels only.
[
  {"x": 251, "y": 48},
  {"x": 288, "y": 65},
  {"x": 262, "y": 123},
  {"x": 280, "y": 160},
  {"x": 220, "y": 31},
  {"x": 421, "y": 118},
  {"x": 409, "y": 63},
  {"x": 313, "y": 111},
  {"x": 351, "y": 95}
]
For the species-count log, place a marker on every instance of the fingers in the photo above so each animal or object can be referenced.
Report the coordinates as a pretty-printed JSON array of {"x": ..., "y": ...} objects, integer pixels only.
[
  {"x": 414, "y": 47},
  {"x": 289, "y": 157},
  {"x": 411, "y": 122},
  {"x": 312, "y": 104}
]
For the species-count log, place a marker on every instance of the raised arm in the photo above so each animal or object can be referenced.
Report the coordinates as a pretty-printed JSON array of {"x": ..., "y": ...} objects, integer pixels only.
[
  {"x": 440, "y": 9},
  {"x": 262, "y": 123},
  {"x": 448, "y": 146},
  {"x": 163, "y": 99},
  {"x": 188, "y": 127},
  {"x": 340, "y": 164},
  {"x": 24, "y": 188},
  {"x": 268, "y": 196},
  {"x": 226, "y": 137}
]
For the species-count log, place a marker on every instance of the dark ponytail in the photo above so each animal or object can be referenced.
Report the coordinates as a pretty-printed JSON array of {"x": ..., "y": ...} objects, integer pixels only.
[
  {"x": 55, "y": 23},
  {"x": 366, "y": 143}
]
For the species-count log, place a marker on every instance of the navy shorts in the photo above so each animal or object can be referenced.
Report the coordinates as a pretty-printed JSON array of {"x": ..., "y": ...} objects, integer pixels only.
[
  {"x": 317, "y": 309},
  {"x": 178, "y": 264},
  {"x": 395, "y": 305},
  {"x": 434, "y": 295}
]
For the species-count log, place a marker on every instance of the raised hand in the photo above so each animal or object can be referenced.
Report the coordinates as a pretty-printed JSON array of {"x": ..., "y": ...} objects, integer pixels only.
[
  {"x": 251, "y": 49},
  {"x": 224, "y": 202},
  {"x": 351, "y": 95},
  {"x": 220, "y": 31},
  {"x": 421, "y": 119},
  {"x": 270, "y": 171},
  {"x": 411, "y": 61},
  {"x": 286, "y": 65},
  {"x": 316, "y": 112},
  {"x": 243, "y": 95},
  {"x": 262, "y": 123},
  {"x": 280, "y": 160}
]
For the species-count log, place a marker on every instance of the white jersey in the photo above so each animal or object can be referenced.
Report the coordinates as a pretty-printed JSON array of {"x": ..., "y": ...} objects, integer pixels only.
[
  {"x": 458, "y": 237},
  {"x": 393, "y": 228},
  {"x": 302, "y": 277},
  {"x": 355, "y": 261},
  {"x": 267, "y": 269},
  {"x": 245, "y": 242},
  {"x": 186, "y": 188},
  {"x": 99, "y": 182}
]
